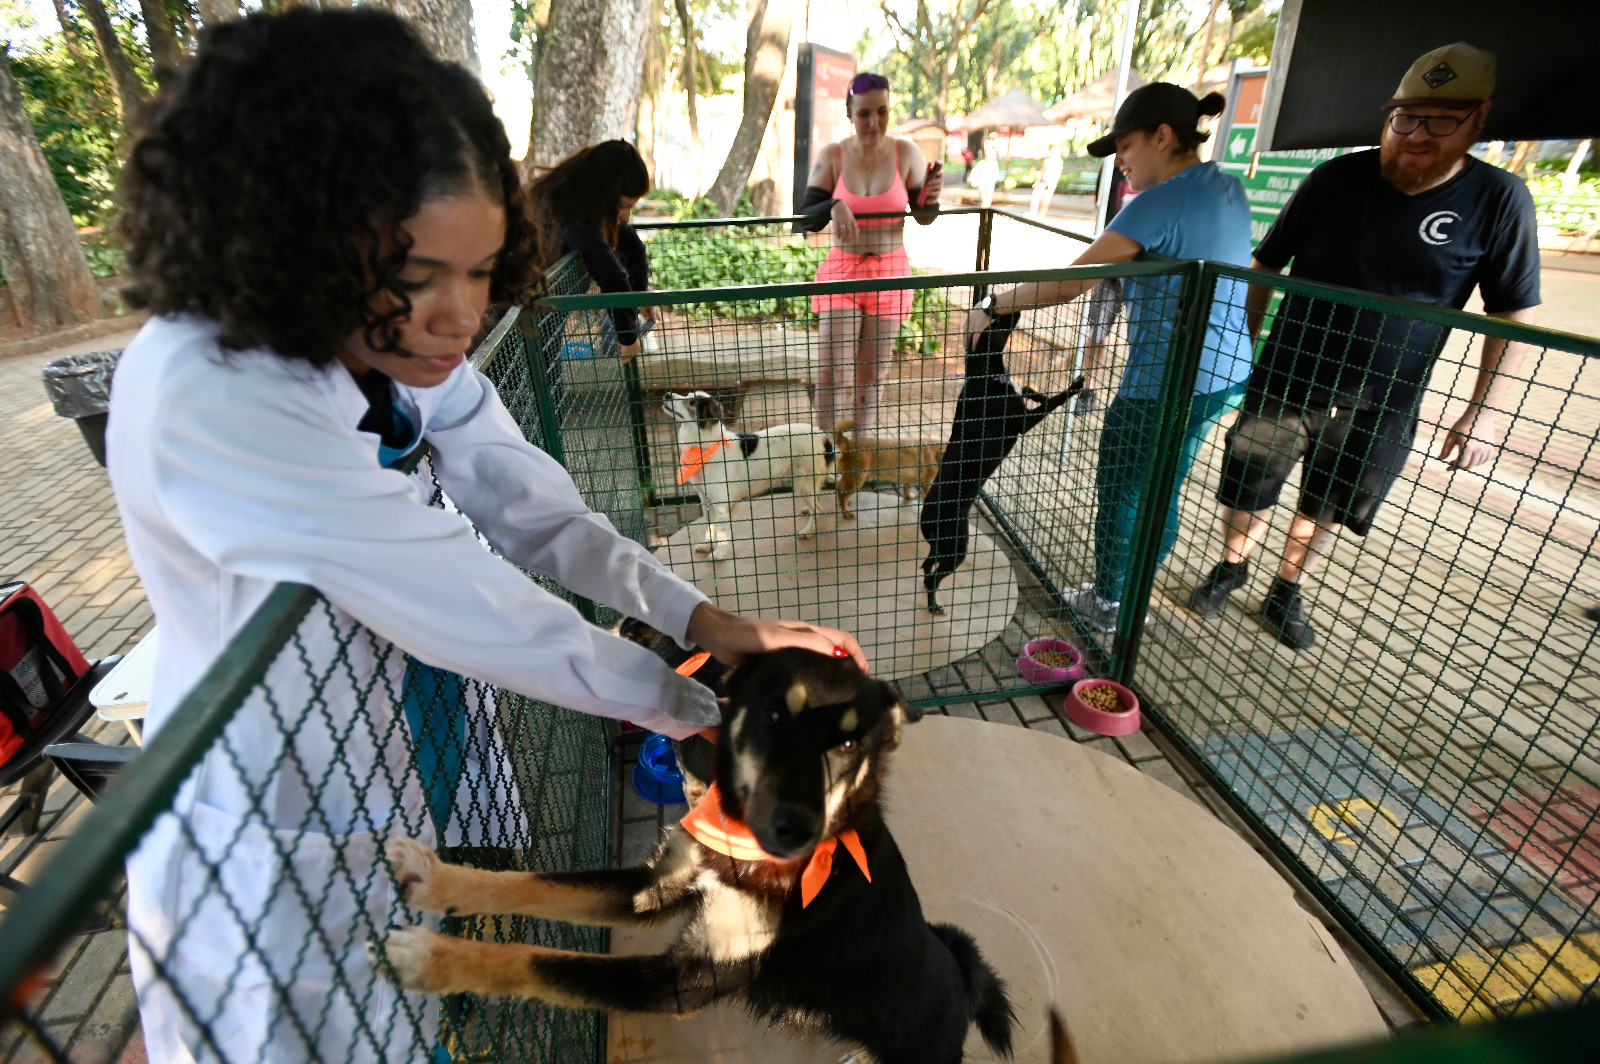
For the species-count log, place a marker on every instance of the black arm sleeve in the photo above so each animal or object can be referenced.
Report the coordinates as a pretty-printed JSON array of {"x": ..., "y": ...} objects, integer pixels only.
[
  {"x": 1509, "y": 274},
  {"x": 817, "y": 209},
  {"x": 1288, "y": 232},
  {"x": 608, "y": 272},
  {"x": 631, "y": 249}
]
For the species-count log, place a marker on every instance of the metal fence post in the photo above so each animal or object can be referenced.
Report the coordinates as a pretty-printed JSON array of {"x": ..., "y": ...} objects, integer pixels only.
[
  {"x": 1177, "y": 395},
  {"x": 533, "y": 339},
  {"x": 985, "y": 241},
  {"x": 641, "y": 434}
]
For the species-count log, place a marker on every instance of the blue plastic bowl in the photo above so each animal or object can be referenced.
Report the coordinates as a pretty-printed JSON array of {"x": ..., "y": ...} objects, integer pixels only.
[{"x": 656, "y": 776}]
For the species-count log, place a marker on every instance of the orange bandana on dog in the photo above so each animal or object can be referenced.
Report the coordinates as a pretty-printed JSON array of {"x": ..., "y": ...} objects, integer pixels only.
[
  {"x": 695, "y": 458},
  {"x": 707, "y": 824},
  {"x": 692, "y": 666}
]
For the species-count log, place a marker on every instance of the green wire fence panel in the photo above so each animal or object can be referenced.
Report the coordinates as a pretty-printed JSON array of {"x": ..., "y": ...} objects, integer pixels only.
[
  {"x": 1428, "y": 755},
  {"x": 264, "y": 808},
  {"x": 801, "y": 372},
  {"x": 1427, "y": 760}
]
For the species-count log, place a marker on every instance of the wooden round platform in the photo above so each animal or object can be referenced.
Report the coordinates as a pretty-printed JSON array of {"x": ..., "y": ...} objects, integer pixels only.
[
  {"x": 1157, "y": 932},
  {"x": 863, "y": 576}
]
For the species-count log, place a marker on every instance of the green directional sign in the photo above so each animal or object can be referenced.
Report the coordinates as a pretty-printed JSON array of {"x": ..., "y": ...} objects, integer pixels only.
[{"x": 1269, "y": 178}]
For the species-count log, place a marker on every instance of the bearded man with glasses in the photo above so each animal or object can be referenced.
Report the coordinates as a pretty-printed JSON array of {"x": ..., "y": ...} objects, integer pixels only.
[{"x": 1337, "y": 386}]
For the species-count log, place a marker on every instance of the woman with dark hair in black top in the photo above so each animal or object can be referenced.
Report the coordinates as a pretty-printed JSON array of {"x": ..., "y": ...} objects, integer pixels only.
[{"x": 585, "y": 205}]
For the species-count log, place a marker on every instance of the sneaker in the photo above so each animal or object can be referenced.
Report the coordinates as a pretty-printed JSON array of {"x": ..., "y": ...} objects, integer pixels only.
[
  {"x": 1593, "y": 613},
  {"x": 1208, "y": 599},
  {"x": 1096, "y": 613},
  {"x": 1284, "y": 613}
]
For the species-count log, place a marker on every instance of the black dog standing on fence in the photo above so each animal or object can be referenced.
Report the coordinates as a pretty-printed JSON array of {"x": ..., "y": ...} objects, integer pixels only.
[
  {"x": 842, "y": 949},
  {"x": 991, "y": 415}
]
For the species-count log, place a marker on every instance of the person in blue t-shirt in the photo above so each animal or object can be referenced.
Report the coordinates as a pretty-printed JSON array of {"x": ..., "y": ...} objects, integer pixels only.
[{"x": 1185, "y": 209}]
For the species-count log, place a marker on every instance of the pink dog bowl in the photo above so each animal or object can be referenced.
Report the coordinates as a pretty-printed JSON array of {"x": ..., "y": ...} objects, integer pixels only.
[
  {"x": 1036, "y": 671},
  {"x": 1098, "y": 720}
]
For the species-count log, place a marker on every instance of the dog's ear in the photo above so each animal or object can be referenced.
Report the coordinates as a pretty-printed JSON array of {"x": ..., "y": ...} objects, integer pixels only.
[
  {"x": 636, "y": 631},
  {"x": 707, "y": 411},
  {"x": 902, "y": 712},
  {"x": 724, "y": 704}
]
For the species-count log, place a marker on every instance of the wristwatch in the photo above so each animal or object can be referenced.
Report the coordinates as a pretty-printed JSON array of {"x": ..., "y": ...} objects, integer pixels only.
[{"x": 986, "y": 304}]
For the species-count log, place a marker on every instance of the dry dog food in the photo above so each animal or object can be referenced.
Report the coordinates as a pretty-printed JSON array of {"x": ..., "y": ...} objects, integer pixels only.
[
  {"x": 1055, "y": 659},
  {"x": 1103, "y": 698}
]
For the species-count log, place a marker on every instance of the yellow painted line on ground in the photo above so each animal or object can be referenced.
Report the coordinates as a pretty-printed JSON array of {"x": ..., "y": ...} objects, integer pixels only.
[{"x": 1481, "y": 985}]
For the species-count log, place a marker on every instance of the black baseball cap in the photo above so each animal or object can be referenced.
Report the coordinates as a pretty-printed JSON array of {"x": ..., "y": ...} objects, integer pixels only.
[{"x": 1148, "y": 107}]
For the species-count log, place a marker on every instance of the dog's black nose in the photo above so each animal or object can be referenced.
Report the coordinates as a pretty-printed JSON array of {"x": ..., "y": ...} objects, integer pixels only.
[{"x": 793, "y": 826}]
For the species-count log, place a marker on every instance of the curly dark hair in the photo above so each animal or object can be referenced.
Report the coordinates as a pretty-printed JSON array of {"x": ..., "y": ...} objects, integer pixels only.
[
  {"x": 267, "y": 183},
  {"x": 586, "y": 186}
]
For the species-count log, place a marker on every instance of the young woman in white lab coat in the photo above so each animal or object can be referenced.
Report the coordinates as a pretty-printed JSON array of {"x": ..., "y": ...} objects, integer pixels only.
[{"x": 319, "y": 214}]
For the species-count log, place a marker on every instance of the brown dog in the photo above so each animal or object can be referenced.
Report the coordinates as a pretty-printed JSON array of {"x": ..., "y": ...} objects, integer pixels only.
[{"x": 910, "y": 463}]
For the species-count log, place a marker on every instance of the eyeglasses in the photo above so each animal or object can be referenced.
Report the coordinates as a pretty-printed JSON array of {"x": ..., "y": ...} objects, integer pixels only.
[
  {"x": 867, "y": 82},
  {"x": 1436, "y": 125}
]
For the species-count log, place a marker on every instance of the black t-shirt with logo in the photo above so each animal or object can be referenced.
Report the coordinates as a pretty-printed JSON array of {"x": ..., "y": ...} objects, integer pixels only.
[{"x": 1346, "y": 225}]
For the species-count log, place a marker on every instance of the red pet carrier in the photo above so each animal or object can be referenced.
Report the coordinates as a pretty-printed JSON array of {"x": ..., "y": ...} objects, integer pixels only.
[{"x": 39, "y": 663}]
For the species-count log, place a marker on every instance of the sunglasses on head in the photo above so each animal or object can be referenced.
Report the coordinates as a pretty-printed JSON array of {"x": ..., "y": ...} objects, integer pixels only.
[{"x": 867, "y": 82}]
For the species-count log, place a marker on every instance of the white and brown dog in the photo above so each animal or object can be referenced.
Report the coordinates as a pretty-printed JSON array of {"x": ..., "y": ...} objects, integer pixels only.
[{"x": 728, "y": 467}]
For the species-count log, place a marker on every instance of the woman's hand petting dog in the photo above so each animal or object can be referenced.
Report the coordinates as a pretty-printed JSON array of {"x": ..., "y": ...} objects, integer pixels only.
[
  {"x": 729, "y": 637},
  {"x": 978, "y": 320}
]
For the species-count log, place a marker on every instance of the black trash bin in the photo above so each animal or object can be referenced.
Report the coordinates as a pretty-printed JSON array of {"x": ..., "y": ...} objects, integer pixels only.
[{"x": 80, "y": 388}]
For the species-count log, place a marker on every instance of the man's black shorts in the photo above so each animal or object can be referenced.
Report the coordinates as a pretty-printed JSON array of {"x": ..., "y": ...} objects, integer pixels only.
[{"x": 1352, "y": 456}]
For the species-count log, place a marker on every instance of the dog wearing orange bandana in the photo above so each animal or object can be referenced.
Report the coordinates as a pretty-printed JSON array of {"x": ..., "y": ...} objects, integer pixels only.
[
  {"x": 728, "y": 467},
  {"x": 794, "y": 896}
]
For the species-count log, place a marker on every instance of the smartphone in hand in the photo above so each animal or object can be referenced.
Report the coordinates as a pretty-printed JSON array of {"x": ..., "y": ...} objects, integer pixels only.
[{"x": 933, "y": 168}]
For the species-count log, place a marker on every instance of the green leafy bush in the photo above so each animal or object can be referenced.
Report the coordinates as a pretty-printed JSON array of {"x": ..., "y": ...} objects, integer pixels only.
[
  {"x": 1567, "y": 208},
  {"x": 71, "y": 115},
  {"x": 733, "y": 257},
  {"x": 105, "y": 256}
]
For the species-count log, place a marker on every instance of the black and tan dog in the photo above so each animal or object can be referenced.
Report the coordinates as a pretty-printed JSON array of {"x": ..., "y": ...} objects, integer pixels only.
[
  {"x": 991, "y": 415},
  {"x": 822, "y": 931}
]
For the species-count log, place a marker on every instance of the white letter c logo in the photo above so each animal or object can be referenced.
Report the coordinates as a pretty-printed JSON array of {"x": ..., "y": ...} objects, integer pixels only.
[{"x": 1432, "y": 229}]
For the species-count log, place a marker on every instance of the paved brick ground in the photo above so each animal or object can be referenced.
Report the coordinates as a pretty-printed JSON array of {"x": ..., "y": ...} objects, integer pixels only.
[{"x": 59, "y": 531}]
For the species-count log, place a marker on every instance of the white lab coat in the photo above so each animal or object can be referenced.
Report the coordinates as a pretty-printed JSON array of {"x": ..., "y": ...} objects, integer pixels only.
[{"x": 234, "y": 471}]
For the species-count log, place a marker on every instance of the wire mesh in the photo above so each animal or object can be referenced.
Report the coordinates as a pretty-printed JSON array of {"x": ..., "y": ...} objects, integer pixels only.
[
  {"x": 1429, "y": 765},
  {"x": 1428, "y": 754},
  {"x": 842, "y": 377},
  {"x": 264, "y": 878},
  {"x": 1429, "y": 761}
]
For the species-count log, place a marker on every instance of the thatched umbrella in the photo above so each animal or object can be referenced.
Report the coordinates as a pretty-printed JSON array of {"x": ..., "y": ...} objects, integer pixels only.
[
  {"x": 1093, "y": 101},
  {"x": 1014, "y": 110}
]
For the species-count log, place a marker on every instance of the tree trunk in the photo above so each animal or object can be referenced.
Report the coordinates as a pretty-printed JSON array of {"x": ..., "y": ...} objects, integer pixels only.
[
  {"x": 125, "y": 84},
  {"x": 446, "y": 25},
  {"x": 165, "y": 54},
  {"x": 45, "y": 267},
  {"x": 655, "y": 64},
  {"x": 1205, "y": 47},
  {"x": 586, "y": 81},
  {"x": 689, "y": 70},
  {"x": 69, "y": 32},
  {"x": 72, "y": 35},
  {"x": 766, "y": 53},
  {"x": 1519, "y": 156},
  {"x": 216, "y": 12}
]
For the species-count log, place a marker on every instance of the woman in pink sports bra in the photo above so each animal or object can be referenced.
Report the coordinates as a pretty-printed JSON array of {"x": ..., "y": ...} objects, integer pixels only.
[{"x": 858, "y": 329}]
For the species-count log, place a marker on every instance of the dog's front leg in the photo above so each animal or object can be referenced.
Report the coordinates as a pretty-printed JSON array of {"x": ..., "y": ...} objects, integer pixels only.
[
  {"x": 808, "y": 495},
  {"x": 671, "y": 983},
  {"x": 607, "y": 897},
  {"x": 721, "y": 529}
]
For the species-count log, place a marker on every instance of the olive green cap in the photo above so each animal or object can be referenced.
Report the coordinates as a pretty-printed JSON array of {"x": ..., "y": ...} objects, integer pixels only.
[{"x": 1457, "y": 75}]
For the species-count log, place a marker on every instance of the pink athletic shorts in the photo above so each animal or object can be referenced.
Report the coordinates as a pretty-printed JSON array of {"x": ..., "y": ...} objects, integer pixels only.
[{"x": 843, "y": 266}]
